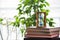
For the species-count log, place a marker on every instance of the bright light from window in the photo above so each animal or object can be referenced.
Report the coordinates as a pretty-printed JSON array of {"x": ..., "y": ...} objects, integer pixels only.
[
  {"x": 8, "y": 8},
  {"x": 54, "y": 8}
]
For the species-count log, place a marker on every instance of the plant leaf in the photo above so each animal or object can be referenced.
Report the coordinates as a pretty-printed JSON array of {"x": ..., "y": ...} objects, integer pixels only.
[{"x": 47, "y": 4}]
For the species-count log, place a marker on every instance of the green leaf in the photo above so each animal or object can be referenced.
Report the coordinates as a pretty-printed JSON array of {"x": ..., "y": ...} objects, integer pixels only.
[
  {"x": 41, "y": 5},
  {"x": 44, "y": 5},
  {"x": 19, "y": 6},
  {"x": 51, "y": 19},
  {"x": 22, "y": 30},
  {"x": 43, "y": 10},
  {"x": 23, "y": 21},
  {"x": 47, "y": 3},
  {"x": 26, "y": 2},
  {"x": 35, "y": 1},
  {"x": 12, "y": 23},
  {"x": 20, "y": 0},
  {"x": 47, "y": 11},
  {"x": 42, "y": 1},
  {"x": 50, "y": 24},
  {"x": 47, "y": 20},
  {"x": 22, "y": 18},
  {"x": 1, "y": 20}
]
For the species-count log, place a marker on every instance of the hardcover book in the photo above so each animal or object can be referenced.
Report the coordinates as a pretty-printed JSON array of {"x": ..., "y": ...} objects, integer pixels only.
[
  {"x": 42, "y": 32},
  {"x": 42, "y": 36}
]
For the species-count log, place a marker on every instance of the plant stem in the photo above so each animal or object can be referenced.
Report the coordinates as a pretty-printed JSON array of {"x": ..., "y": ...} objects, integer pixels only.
[
  {"x": 7, "y": 30},
  {"x": 16, "y": 33},
  {"x": 1, "y": 35}
]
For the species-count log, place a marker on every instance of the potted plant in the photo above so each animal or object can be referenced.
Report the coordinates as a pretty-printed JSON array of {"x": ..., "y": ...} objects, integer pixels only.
[{"x": 29, "y": 8}]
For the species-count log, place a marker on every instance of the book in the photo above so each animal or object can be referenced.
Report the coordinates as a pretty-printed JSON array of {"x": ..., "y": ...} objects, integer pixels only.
[
  {"x": 42, "y": 29},
  {"x": 42, "y": 36},
  {"x": 42, "y": 33},
  {"x": 38, "y": 31}
]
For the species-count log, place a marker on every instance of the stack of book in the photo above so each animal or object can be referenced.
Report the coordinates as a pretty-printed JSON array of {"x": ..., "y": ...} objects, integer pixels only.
[{"x": 42, "y": 32}]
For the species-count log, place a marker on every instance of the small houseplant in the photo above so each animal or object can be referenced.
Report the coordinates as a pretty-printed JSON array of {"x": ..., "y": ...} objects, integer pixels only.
[
  {"x": 27, "y": 11},
  {"x": 29, "y": 8}
]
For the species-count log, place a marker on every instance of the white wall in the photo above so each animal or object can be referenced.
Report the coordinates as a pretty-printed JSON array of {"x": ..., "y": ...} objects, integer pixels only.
[{"x": 8, "y": 8}]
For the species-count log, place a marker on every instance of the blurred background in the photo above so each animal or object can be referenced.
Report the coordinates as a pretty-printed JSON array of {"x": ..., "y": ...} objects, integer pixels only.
[{"x": 8, "y": 11}]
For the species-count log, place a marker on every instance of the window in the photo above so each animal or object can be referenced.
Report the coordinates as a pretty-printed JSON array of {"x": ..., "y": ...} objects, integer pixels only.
[
  {"x": 8, "y": 8},
  {"x": 54, "y": 11},
  {"x": 54, "y": 8}
]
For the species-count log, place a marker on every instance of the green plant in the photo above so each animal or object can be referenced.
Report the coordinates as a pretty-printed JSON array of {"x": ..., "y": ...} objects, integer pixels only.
[
  {"x": 51, "y": 23},
  {"x": 1, "y": 20},
  {"x": 22, "y": 29},
  {"x": 29, "y": 8},
  {"x": 16, "y": 23},
  {"x": 0, "y": 29}
]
